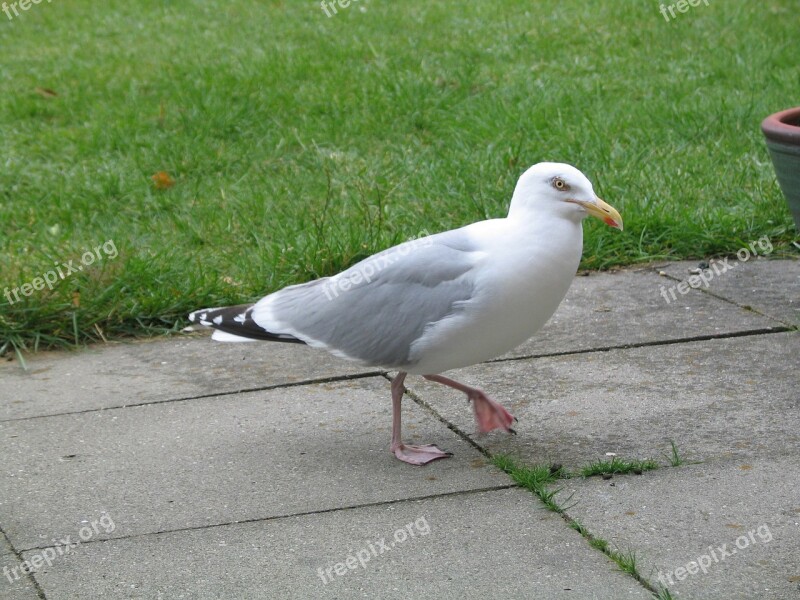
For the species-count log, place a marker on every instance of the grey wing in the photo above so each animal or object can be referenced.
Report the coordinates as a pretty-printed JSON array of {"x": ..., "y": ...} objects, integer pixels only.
[{"x": 376, "y": 309}]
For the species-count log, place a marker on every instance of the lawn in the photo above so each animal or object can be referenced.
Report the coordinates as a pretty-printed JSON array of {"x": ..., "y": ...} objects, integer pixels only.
[{"x": 287, "y": 145}]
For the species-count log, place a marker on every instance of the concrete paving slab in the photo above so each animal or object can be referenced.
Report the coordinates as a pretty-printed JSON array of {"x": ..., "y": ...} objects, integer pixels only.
[
  {"x": 113, "y": 375},
  {"x": 219, "y": 460},
  {"x": 5, "y": 548},
  {"x": 498, "y": 544},
  {"x": 716, "y": 399},
  {"x": 772, "y": 287},
  {"x": 739, "y": 521},
  {"x": 600, "y": 310},
  {"x": 14, "y": 586},
  {"x": 196, "y": 486},
  {"x": 604, "y": 310}
]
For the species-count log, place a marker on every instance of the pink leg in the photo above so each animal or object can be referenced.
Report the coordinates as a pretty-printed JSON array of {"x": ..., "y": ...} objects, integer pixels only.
[
  {"x": 488, "y": 414},
  {"x": 415, "y": 455}
]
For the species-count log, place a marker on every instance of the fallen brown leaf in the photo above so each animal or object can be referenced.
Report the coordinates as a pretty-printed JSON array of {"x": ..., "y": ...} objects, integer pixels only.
[
  {"x": 162, "y": 180},
  {"x": 45, "y": 92}
]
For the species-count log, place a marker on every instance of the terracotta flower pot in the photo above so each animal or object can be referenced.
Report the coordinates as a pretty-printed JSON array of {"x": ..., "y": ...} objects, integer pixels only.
[{"x": 782, "y": 131}]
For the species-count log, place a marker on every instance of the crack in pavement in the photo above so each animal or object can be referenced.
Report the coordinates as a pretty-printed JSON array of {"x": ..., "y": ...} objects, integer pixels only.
[{"x": 383, "y": 373}]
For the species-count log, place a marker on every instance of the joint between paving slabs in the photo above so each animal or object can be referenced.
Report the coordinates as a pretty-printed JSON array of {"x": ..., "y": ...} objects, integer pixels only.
[
  {"x": 537, "y": 480},
  {"x": 18, "y": 556},
  {"x": 625, "y": 563},
  {"x": 747, "y": 307},
  {"x": 334, "y": 379},
  {"x": 667, "y": 342},
  {"x": 277, "y": 386},
  {"x": 494, "y": 488}
]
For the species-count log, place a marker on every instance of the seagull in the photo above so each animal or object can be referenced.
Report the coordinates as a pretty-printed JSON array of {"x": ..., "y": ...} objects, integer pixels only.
[{"x": 440, "y": 302}]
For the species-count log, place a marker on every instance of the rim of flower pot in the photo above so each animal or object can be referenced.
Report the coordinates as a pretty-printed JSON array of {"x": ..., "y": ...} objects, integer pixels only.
[{"x": 783, "y": 126}]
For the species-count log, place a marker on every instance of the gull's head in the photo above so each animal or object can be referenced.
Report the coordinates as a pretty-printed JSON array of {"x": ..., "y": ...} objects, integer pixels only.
[{"x": 561, "y": 190}]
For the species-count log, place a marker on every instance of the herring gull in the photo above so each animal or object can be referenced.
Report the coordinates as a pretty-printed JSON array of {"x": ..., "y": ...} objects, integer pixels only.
[{"x": 441, "y": 302}]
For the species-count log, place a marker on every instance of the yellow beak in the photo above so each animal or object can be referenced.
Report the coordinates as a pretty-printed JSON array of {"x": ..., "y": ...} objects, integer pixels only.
[{"x": 605, "y": 212}]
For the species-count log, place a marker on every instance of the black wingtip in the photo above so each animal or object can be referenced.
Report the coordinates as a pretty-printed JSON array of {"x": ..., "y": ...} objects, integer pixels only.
[{"x": 238, "y": 320}]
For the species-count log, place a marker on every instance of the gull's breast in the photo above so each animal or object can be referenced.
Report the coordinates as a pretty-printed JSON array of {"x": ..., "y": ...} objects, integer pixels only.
[{"x": 518, "y": 288}]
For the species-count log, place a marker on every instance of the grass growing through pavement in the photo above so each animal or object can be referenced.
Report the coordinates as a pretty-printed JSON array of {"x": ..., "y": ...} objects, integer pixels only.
[
  {"x": 675, "y": 459},
  {"x": 539, "y": 480},
  {"x": 664, "y": 594},
  {"x": 618, "y": 466},
  {"x": 299, "y": 144}
]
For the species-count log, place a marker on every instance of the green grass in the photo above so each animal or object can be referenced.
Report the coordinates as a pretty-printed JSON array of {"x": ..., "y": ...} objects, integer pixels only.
[
  {"x": 626, "y": 561},
  {"x": 664, "y": 594},
  {"x": 675, "y": 459},
  {"x": 300, "y": 144},
  {"x": 539, "y": 479},
  {"x": 618, "y": 466}
]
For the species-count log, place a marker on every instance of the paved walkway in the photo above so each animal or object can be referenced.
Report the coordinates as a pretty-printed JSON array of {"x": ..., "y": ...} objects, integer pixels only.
[{"x": 183, "y": 468}]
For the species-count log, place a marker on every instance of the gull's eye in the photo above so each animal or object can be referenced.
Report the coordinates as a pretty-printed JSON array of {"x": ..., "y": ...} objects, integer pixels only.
[{"x": 560, "y": 184}]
